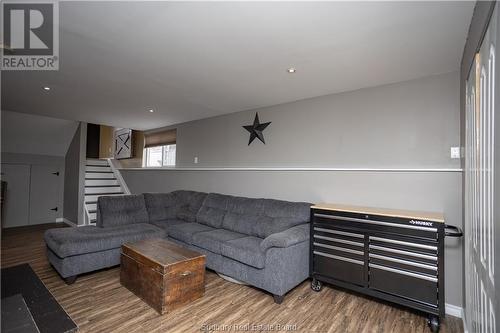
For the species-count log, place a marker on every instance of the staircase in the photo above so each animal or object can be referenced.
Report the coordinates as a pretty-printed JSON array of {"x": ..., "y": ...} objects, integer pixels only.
[{"x": 100, "y": 180}]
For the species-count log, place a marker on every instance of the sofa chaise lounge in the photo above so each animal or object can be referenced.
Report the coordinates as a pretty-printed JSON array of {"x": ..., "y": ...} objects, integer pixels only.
[{"x": 262, "y": 242}]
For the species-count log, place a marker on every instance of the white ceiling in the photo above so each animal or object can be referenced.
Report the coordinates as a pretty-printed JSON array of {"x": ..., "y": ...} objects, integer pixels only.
[
  {"x": 192, "y": 60},
  {"x": 28, "y": 134}
]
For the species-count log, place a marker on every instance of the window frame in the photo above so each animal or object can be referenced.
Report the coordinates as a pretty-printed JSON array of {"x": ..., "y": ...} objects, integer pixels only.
[{"x": 145, "y": 157}]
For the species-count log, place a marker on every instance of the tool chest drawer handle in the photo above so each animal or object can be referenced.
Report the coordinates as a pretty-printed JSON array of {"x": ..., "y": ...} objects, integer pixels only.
[
  {"x": 408, "y": 253},
  {"x": 358, "y": 262},
  {"x": 456, "y": 231},
  {"x": 404, "y": 262},
  {"x": 339, "y": 248},
  {"x": 398, "y": 271},
  {"x": 390, "y": 224},
  {"x": 393, "y": 241},
  {"x": 343, "y": 233},
  {"x": 338, "y": 240}
]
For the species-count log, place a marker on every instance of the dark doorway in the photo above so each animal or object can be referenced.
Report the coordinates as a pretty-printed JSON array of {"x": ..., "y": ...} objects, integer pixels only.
[{"x": 93, "y": 139}]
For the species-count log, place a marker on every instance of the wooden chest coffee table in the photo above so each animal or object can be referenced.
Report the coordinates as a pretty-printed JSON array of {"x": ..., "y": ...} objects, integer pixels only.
[{"x": 162, "y": 273}]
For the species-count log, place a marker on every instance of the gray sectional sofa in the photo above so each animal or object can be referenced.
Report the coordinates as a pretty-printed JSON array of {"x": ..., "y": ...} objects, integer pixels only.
[{"x": 262, "y": 242}]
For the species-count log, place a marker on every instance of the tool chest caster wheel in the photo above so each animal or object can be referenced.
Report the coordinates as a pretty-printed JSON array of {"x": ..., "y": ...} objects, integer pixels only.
[
  {"x": 316, "y": 285},
  {"x": 433, "y": 322}
]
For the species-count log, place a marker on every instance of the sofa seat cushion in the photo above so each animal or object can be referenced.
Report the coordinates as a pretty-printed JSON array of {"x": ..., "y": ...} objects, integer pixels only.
[
  {"x": 66, "y": 242},
  {"x": 246, "y": 250},
  {"x": 185, "y": 231},
  {"x": 212, "y": 240},
  {"x": 166, "y": 224}
]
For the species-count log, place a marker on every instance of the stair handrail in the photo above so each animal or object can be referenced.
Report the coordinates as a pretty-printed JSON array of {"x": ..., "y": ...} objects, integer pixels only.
[
  {"x": 86, "y": 214},
  {"x": 118, "y": 176}
]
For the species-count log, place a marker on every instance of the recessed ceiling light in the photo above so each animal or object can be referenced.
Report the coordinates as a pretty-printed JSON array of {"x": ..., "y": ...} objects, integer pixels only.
[
  {"x": 291, "y": 70},
  {"x": 151, "y": 110},
  {"x": 46, "y": 88}
]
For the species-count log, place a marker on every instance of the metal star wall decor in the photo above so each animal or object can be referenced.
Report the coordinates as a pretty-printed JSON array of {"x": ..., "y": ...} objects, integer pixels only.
[{"x": 256, "y": 129}]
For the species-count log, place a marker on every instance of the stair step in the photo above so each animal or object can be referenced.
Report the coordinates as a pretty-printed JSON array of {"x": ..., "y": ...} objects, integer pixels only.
[
  {"x": 102, "y": 185},
  {"x": 92, "y": 206},
  {"x": 99, "y": 175},
  {"x": 92, "y": 198},
  {"x": 101, "y": 182},
  {"x": 108, "y": 194},
  {"x": 97, "y": 162},
  {"x": 103, "y": 190},
  {"x": 92, "y": 216},
  {"x": 102, "y": 168}
]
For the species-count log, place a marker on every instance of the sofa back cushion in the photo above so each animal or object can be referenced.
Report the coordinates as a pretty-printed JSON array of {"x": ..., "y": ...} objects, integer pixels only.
[
  {"x": 161, "y": 206},
  {"x": 263, "y": 217},
  {"x": 213, "y": 210},
  {"x": 284, "y": 215},
  {"x": 188, "y": 204},
  {"x": 121, "y": 210},
  {"x": 243, "y": 215},
  {"x": 182, "y": 205}
]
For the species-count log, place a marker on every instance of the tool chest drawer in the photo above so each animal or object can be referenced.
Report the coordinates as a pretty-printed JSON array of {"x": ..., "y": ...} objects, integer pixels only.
[
  {"x": 403, "y": 283},
  {"x": 404, "y": 254},
  {"x": 339, "y": 253},
  {"x": 341, "y": 268}
]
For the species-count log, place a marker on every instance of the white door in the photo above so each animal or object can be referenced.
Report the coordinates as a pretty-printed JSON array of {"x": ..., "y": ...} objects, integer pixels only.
[
  {"x": 45, "y": 194},
  {"x": 17, "y": 195},
  {"x": 482, "y": 221}
]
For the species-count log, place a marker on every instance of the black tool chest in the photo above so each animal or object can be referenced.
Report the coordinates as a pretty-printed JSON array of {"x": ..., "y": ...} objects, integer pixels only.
[{"x": 393, "y": 255}]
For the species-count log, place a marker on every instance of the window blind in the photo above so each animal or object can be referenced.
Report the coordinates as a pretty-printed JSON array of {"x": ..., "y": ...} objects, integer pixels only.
[{"x": 161, "y": 138}]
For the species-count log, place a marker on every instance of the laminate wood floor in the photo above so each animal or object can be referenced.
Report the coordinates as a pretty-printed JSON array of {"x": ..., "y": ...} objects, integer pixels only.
[{"x": 98, "y": 303}]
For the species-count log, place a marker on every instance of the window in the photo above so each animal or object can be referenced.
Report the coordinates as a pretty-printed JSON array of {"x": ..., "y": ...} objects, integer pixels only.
[
  {"x": 159, "y": 156},
  {"x": 159, "y": 148}
]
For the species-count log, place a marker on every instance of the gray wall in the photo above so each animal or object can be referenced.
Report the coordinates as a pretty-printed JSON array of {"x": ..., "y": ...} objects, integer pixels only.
[
  {"x": 405, "y": 125},
  {"x": 18, "y": 158},
  {"x": 37, "y": 140},
  {"x": 74, "y": 176},
  {"x": 33, "y": 134},
  {"x": 409, "y": 124}
]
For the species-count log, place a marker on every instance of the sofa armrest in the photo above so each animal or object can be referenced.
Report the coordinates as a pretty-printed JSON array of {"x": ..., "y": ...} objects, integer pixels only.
[{"x": 286, "y": 238}]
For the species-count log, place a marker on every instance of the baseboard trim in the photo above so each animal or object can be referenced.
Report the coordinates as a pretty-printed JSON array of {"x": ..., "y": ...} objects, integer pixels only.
[
  {"x": 59, "y": 220},
  {"x": 453, "y": 310},
  {"x": 68, "y": 222}
]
